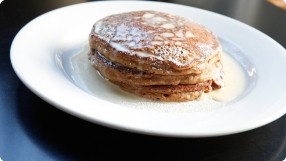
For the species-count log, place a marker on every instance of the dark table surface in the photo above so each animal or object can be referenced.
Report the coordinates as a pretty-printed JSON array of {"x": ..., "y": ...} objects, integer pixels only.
[{"x": 33, "y": 130}]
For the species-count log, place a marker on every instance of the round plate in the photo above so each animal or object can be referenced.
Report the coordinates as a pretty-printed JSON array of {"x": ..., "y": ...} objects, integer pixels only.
[{"x": 41, "y": 51}]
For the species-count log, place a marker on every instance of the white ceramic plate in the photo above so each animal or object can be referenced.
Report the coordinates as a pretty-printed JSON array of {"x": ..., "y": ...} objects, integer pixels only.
[{"x": 41, "y": 55}]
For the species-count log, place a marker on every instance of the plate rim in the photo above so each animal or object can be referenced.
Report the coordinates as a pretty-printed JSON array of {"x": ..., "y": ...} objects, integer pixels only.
[{"x": 118, "y": 126}]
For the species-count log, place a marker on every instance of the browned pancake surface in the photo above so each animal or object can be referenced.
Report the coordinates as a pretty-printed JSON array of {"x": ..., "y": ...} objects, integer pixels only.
[{"x": 158, "y": 42}]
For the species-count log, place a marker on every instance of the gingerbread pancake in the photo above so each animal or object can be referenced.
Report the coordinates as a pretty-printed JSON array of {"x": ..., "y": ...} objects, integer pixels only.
[{"x": 156, "y": 55}]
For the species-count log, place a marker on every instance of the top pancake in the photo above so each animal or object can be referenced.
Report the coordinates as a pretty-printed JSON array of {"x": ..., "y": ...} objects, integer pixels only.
[{"x": 156, "y": 42}]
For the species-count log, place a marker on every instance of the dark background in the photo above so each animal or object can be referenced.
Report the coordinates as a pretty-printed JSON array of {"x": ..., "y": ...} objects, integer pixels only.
[{"x": 33, "y": 130}]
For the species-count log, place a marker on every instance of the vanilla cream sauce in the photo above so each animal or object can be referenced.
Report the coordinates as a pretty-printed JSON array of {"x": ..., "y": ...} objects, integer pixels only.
[
  {"x": 86, "y": 77},
  {"x": 234, "y": 79}
]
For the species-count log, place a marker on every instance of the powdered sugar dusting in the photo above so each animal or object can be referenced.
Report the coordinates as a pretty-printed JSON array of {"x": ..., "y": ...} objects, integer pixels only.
[
  {"x": 106, "y": 32},
  {"x": 205, "y": 49},
  {"x": 161, "y": 36},
  {"x": 177, "y": 55},
  {"x": 129, "y": 37}
]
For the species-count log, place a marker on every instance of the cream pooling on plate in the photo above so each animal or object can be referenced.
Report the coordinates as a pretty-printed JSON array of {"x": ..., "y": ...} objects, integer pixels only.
[
  {"x": 150, "y": 33},
  {"x": 86, "y": 77}
]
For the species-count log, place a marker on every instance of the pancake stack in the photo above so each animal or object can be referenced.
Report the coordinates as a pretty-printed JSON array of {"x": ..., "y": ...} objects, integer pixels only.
[{"x": 156, "y": 55}]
